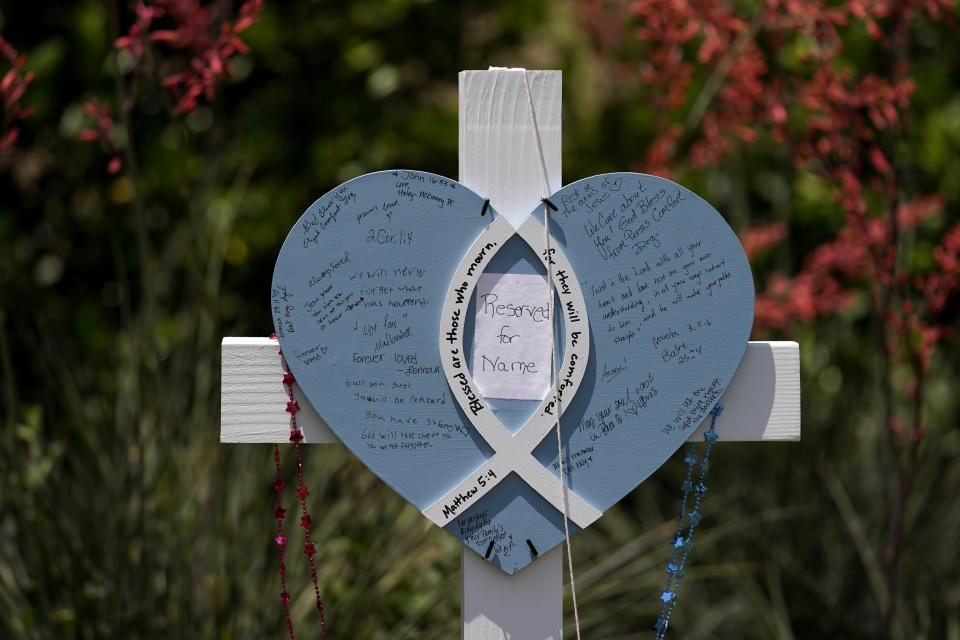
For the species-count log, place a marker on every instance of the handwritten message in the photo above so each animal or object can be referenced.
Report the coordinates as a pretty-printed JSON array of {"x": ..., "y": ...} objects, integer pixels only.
[{"x": 512, "y": 331}]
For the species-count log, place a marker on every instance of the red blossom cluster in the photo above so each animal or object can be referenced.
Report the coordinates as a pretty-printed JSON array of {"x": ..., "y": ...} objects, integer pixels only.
[
  {"x": 101, "y": 129},
  {"x": 859, "y": 254},
  {"x": 12, "y": 87},
  {"x": 99, "y": 115},
  {"x": 135, "y": 40},
  {"x": 193, "y": 28},
  {"x": 941, "y": 284},
  {"x": 939, "y": 287},
  {"x": 741, "y": 98},
  {"x": 756, "y": 240}
]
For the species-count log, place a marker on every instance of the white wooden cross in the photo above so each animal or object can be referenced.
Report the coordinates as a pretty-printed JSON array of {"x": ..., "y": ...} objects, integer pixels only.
[{"x": 498, "y": 160}]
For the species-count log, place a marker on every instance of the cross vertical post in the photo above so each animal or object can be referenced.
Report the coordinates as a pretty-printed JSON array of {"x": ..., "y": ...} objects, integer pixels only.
[{"x": 498, "y": 159}]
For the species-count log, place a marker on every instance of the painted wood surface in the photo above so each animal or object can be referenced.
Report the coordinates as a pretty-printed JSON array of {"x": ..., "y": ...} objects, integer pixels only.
[
  {"x": 498, "y": 152},
  {"x": 497, "y": 606}
]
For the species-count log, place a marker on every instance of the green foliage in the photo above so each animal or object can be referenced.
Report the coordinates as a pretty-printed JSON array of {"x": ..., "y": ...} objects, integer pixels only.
[{"x": 122, "y": 516}]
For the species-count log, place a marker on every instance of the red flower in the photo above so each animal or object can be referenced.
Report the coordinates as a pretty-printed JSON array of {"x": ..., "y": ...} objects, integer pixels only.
[
  {"x": 758, "y": 239},
  {"x": 189, "y": 29},
  {"x": 13, "y": 85},
  {"x": 101, "y": 128}
]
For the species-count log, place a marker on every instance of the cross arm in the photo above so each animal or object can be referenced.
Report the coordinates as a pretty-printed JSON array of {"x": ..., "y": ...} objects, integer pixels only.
[{"x": 761, "y": 403}]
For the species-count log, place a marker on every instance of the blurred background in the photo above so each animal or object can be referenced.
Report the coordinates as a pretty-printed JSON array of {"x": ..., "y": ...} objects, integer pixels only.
[{"x": 153, "y": 155}]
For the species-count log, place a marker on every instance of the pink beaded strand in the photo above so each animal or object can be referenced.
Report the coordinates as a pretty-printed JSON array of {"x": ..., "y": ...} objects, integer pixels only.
[
  {"x": 296, "y": 437},
  {"x": 281, "y": 540}
]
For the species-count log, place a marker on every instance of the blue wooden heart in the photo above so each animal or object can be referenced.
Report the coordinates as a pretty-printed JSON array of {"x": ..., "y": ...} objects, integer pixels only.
[{"x": 373, "y": 304}]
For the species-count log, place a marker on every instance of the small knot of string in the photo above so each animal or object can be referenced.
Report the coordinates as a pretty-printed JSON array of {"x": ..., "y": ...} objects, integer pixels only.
[{"x": 548, "y": 261}]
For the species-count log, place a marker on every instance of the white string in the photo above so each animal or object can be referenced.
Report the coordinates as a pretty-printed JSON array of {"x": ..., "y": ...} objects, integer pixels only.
[
  {"x": 553, "y": 344},
  {"x": 536, "y": 139}
]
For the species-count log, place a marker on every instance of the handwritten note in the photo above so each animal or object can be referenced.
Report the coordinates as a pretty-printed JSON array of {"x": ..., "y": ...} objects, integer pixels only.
[{"x": 512, "y": 330}]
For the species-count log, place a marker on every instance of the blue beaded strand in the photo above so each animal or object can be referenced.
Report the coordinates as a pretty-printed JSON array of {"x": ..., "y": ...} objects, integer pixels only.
[{"x": 677, "y": 567}]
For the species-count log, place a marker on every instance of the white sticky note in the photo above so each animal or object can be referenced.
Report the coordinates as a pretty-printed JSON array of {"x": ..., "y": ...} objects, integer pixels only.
[{"x": 511, "y": 339}]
